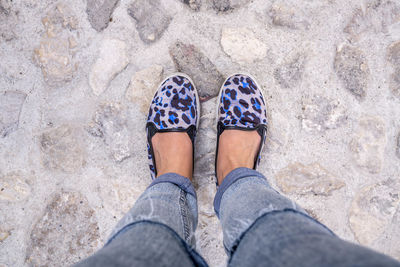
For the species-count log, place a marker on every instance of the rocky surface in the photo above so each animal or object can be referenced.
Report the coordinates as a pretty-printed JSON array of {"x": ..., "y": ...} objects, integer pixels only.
[
  {"x": 190, "y": 60},
  {"x": 242, "y": 45},
  {"x": 63, "y": 149},
  {"x": 311, "y": 179},
  {"x": 111, "y": 60},
  {"x": 10, "y": 108},
  {"x": 394, "y": 59},
  {"x": 99, "y": 13},
  {"x": 151, "y": 19},
  {"x": 352, "y": 69},
  {"x": 320, "y": 114},
  {"x": 368, "y": 144},
  {"x": 285, "y": 14},
  {"x": 143, "y": 86},
  {"x": 56, "y": 53},
  {"x": 110, "y": 124},
  {"x": 76, "y": 81},
  {"x": 373, "y": 209},
  {"x": 13, "y": 188},
  {"x": 290, "y": 73},
  {"x": 67, "y": 232}
]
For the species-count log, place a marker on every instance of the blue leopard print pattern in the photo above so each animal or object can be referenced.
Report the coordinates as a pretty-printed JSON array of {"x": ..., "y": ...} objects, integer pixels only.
[
  {"x": 242, "y": 105},
  {"x": 174, "y": 106}
]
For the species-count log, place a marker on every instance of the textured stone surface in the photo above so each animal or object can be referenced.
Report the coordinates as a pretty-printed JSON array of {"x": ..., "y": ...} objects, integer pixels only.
[
  {"x": 375, "y": 16},
  {"x": 66, "y": 232},
  {"x": 305, "y": 97},
  {"x": 242, "y": 45},
  {"x": 13, "y": 188},
  {"x": 352, "y": 69},
  {"x": 151, "y": 19},
  {"x": 290, "y": 73},
  {"x": 189, "y": 59},
  {"x": 284, "y": 13},
  {"x": 143, "y": 86},
  {"x": 3, "y": 235},
  {"x": 372, "y": 209},
  {"x": 110, "y": 123},
  {"x": 226, "y": 5},
  {"x": 62, "y": 149},
  {"x": 8, "y": 19},
  {"x": 368, "y": 144},
  {"x": 307, "y": 179},
  {"x": 320, "y": 113},
  {"x": 112, "y": 59},
  {"x": 193, "y": 4},
  {"x": 10, "y": 108},
  {"x": 398, "y": 146},
  {"x": 99, "y": 13},
  {"x": 394, "y": 59},
  {"x": 56, "y": 52}
]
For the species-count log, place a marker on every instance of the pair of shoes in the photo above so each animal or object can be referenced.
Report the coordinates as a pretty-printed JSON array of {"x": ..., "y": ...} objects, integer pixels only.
[{"x": 176, "y": 108}]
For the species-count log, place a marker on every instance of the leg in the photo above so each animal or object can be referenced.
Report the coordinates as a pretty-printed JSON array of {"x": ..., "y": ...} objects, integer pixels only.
[
  {"x": 263, "y": 228},
  {"x": 157, "y": 231}
]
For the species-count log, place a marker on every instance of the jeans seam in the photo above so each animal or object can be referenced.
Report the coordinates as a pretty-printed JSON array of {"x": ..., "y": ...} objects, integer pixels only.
[{"x": 184, "y": 215}]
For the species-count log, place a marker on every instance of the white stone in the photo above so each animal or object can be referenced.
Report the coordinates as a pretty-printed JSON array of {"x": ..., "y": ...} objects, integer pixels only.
[
  {"x": 368, "y": 144},
  {"x": 242, "y": 45},
  {"x": 307, "y": 179},
  {"x": 143, "y": 86},
  {"x": 112, "y": 60},
  {"x": 13, "y": 188},
  {"x": 372, "y": 210}
]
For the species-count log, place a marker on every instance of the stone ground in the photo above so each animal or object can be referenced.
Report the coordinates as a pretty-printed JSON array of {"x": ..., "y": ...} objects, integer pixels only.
[{"x": 77, "y": 77}]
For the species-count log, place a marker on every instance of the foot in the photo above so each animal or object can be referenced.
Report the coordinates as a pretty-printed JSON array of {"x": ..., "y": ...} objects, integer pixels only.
[
  {"x": 173, "y": 152},
  {"x": 171, "y": 127},
  {"x": 236, "y": 149},
  {"x": 242, "y": 125}
]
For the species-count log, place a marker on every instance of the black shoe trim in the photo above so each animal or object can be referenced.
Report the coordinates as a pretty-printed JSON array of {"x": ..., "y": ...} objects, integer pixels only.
[{"x": 151, "y": 130}]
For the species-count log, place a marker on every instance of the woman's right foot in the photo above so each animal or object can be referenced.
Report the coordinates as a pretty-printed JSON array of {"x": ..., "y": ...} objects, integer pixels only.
[{"x": 242, "y": 125}]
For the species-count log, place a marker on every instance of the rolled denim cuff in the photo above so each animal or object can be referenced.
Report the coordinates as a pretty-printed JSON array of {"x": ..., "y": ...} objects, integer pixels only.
[
  {"x": 230, "y": 179},
  {"x": 182, "y": 182}
]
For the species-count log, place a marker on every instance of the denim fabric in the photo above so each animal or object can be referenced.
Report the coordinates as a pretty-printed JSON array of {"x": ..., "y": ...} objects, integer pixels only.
[
  {"x": 263, "y": 228},
  {"x": 260, "y": 228}
]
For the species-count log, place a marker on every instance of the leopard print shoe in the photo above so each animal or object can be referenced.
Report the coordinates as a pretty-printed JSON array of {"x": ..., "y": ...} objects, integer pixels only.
[
  {"x": 241, "y": 106},
  {"x": 175, "y": 108}
]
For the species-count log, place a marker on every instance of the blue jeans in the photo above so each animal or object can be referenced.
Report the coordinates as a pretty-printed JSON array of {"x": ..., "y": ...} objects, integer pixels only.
[{"x": 260, "y": 228}]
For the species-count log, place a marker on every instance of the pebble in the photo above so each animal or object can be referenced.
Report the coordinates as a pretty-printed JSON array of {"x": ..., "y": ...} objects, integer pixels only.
[
  {"x": 285, "y": 14},
  {"x": 13, "y": 188},
  {"x": 110, "y": 123},
  {"x": 143, "y": 86},
  {"x": 62, "y": 149},
  {"x": 242, "y": 45},
  {"x": 372, "y": 210},
  {"x": 290, "y": 73},
  {"x": 100, "y": 12},
  {"x": 112, "y": 60},
  {"x": 66, "y": 232},
  {"x": 55, "y": 55},
  {"x": 190, "y": 60},
  {"x": 352, "y": 69},
  {"x": 368, "y": 144},
  {"x": 394, "y": 59},
  {"x": 320, "y": 114},
  {"x": 310, "y": 179},
  {"x": 151, "y": 19}
]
